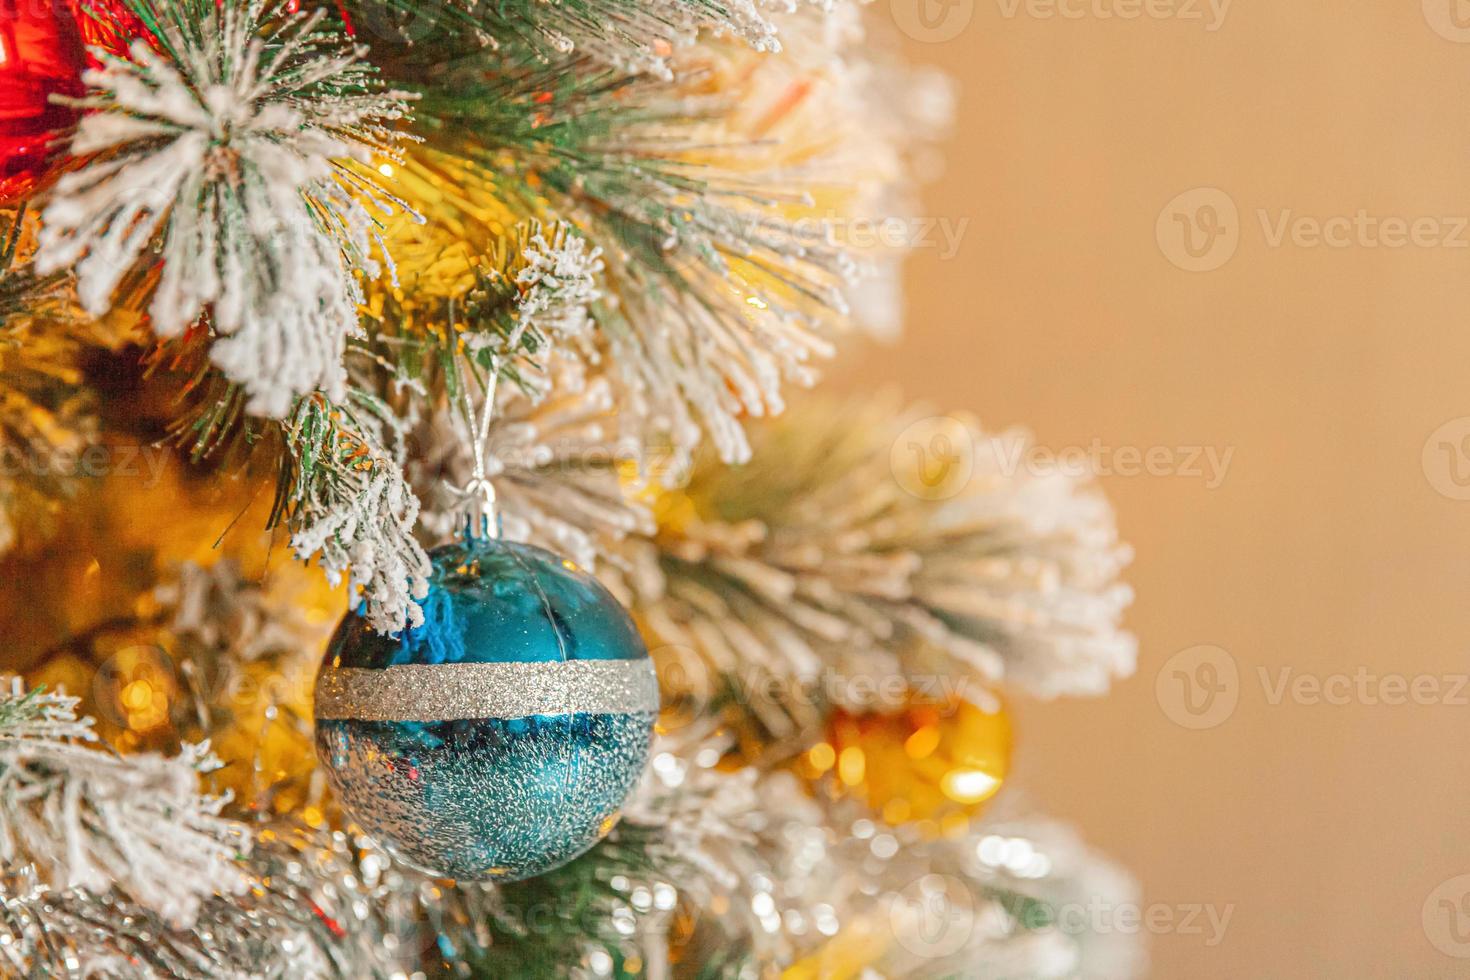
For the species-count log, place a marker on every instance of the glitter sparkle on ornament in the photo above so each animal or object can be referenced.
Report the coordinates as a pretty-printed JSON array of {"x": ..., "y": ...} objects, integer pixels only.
[{"x": 500, "y": 738}]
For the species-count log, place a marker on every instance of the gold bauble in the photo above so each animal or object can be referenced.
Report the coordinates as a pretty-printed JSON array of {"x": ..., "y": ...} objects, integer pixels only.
[
  {"x": 91, "y": 619},
  {"x": 933, "y": 763}
]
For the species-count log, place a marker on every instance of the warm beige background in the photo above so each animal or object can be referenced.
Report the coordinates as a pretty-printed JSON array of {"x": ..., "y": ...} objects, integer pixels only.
[{"x": 1327, "y": 548}]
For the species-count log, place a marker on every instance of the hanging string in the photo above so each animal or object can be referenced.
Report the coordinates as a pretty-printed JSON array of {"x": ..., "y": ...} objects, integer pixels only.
[{"x": 478, "y": 502}]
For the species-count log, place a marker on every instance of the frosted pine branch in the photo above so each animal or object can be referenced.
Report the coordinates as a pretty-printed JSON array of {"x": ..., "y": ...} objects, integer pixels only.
[
  {"x": 632, "y": 35},
  {"x": 243, "y": 156},
  {"x": 228, "y": 620},
  {"x": 722, "y": 201},
  {"x": 804, "y": 877},
  {"x": 558, "y": 281},
  {"x": 536, "y": 289},
  {"x": 34, "y": 714},
  {"x": 87, "y": 819},
  {"x": 816, "y": 558},
  {"x": 703, "y": 818},
  {"x": 348, "y": 504},
  {"x": 316, "y": 911}
]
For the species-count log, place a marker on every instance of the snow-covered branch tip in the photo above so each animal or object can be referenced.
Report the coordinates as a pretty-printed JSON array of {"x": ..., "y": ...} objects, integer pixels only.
[
  {"x": 244, "y": 157},
  {"x": 558, "y": 279},
  {"x": 347, "y": 503},
  {"x": 536, "y": 289},
  {"x": 89, "y": 819}
]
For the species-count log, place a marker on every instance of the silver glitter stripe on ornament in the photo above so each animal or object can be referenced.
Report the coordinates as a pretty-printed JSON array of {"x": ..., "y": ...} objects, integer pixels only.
[{"x": 454, "y": 692}]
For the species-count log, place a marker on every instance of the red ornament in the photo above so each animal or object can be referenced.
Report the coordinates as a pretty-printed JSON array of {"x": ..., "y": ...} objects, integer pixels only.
[
  {"x": 40, "y": 55},
  {"x": 109, "y": 26}
]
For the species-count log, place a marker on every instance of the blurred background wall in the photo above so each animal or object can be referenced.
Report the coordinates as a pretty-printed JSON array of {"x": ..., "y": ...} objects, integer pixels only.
[{"x": 1139, "y": 271}]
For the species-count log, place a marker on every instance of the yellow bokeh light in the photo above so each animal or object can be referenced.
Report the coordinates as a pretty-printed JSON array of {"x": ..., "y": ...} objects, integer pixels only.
[
  {"x": 922, "y": 743},
  {"x": 897, "y": 811},
  {"x": 969, "y": 785},
  {"x": 821, "y": 757},
  {"x": 851, "y": 765},
  {"x": 136, "y": 696}
]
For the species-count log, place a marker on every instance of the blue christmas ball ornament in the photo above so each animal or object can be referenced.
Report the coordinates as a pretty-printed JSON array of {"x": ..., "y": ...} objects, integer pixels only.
[{"x": 501, "y": 737}]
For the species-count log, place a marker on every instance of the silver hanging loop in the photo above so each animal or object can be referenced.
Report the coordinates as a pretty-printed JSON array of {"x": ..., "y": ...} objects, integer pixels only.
[{"x": 478, "y": 503}]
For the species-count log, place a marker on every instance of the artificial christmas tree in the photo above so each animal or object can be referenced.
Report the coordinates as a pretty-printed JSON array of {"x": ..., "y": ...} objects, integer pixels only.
[{"x": 463, "y": 304}]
